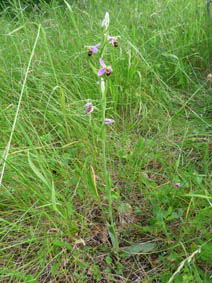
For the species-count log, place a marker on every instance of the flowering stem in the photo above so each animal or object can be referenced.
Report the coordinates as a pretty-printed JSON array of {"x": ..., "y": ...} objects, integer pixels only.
[
  {"x": 112, "y": 232},
  {"x": 104, "y": 133},
  {"x": 90, "y": 122},
  {"x": 104, "y": 45}
]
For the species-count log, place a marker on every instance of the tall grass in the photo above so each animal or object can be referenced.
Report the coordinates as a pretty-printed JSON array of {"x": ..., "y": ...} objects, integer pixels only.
[{"x": 54, "y": 219}]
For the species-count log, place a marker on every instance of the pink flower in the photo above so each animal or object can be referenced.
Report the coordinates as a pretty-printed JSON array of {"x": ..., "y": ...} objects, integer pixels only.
[
  {"x": 108, "y": 121},
  {"x": 113, "y": 40},
  {"x": 104, "y": 70},
  {"x": 93, "y": 49},
  {"x": 177, "y": 185},
  {"x": 89, "y": 108}
]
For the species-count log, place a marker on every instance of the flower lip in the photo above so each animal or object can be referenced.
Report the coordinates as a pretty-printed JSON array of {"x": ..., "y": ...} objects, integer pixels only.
[
  {"x": 108, "y": 70},
  {"x": 89, "y": 107},
  {"x": 108, "y": 121}
]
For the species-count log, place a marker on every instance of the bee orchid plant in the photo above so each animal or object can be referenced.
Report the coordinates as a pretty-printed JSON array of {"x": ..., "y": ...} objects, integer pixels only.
[{"x": 105, "y": 70}]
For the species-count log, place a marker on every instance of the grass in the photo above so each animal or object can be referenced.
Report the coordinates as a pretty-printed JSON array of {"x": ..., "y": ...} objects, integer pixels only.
[{"x": 70, "y": 212}]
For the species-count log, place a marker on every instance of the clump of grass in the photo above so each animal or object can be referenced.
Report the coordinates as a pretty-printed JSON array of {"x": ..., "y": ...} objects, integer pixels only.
[{"x": 53, "y": 225}]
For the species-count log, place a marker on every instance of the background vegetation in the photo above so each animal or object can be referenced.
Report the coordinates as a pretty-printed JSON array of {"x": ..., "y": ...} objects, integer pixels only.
[{"x": 53, "y": 206}]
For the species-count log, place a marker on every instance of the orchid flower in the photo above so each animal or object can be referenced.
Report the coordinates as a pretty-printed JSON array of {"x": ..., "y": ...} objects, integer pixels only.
[
  {"x": 113, "y": 40},
  {"x": 108, "y": 121},
  {"x": 93, "y": 49},
  {"x": 89, "y": 107},
  {"x": 105, "y": 69},
  {"x": 177, "y": 185}
]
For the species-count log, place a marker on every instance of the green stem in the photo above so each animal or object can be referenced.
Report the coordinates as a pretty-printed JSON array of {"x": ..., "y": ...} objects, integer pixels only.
[
  {"x": 104, "y": 45},
  {"x": 112, "y": 232},
  {"x": 104, "y": 134}
]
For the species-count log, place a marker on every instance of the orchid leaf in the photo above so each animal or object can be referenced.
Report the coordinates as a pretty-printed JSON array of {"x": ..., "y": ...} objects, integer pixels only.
[{"x": 140, "y": 248}]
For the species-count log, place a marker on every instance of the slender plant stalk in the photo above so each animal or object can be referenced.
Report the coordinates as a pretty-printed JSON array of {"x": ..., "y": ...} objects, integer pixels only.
[
  {"x": 106, "y": 173},
  {"x": 104, "y": 132}
]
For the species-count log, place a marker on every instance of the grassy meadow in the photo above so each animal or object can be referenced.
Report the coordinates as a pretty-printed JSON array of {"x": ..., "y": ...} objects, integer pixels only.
[{"x": 85, "y": 201}]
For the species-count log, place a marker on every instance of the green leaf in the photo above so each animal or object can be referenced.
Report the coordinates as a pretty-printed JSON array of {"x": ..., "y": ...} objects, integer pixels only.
[
  {"x": 92, "y": 183},
  {"x": 170, "y": 55},
  {"x": 109, "y": 260},
  {"x": 72, "y": 15},
  {"x": 62, "y": 244},
  {"x": 54, "y": 203},
  {"x": 93, "y": 68},
  {"x": 140, "y": 248},
  {"x": 36, "y": 171},
  {"x": 198, "y": 196},
  {"x": 113, "y": 237}
]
